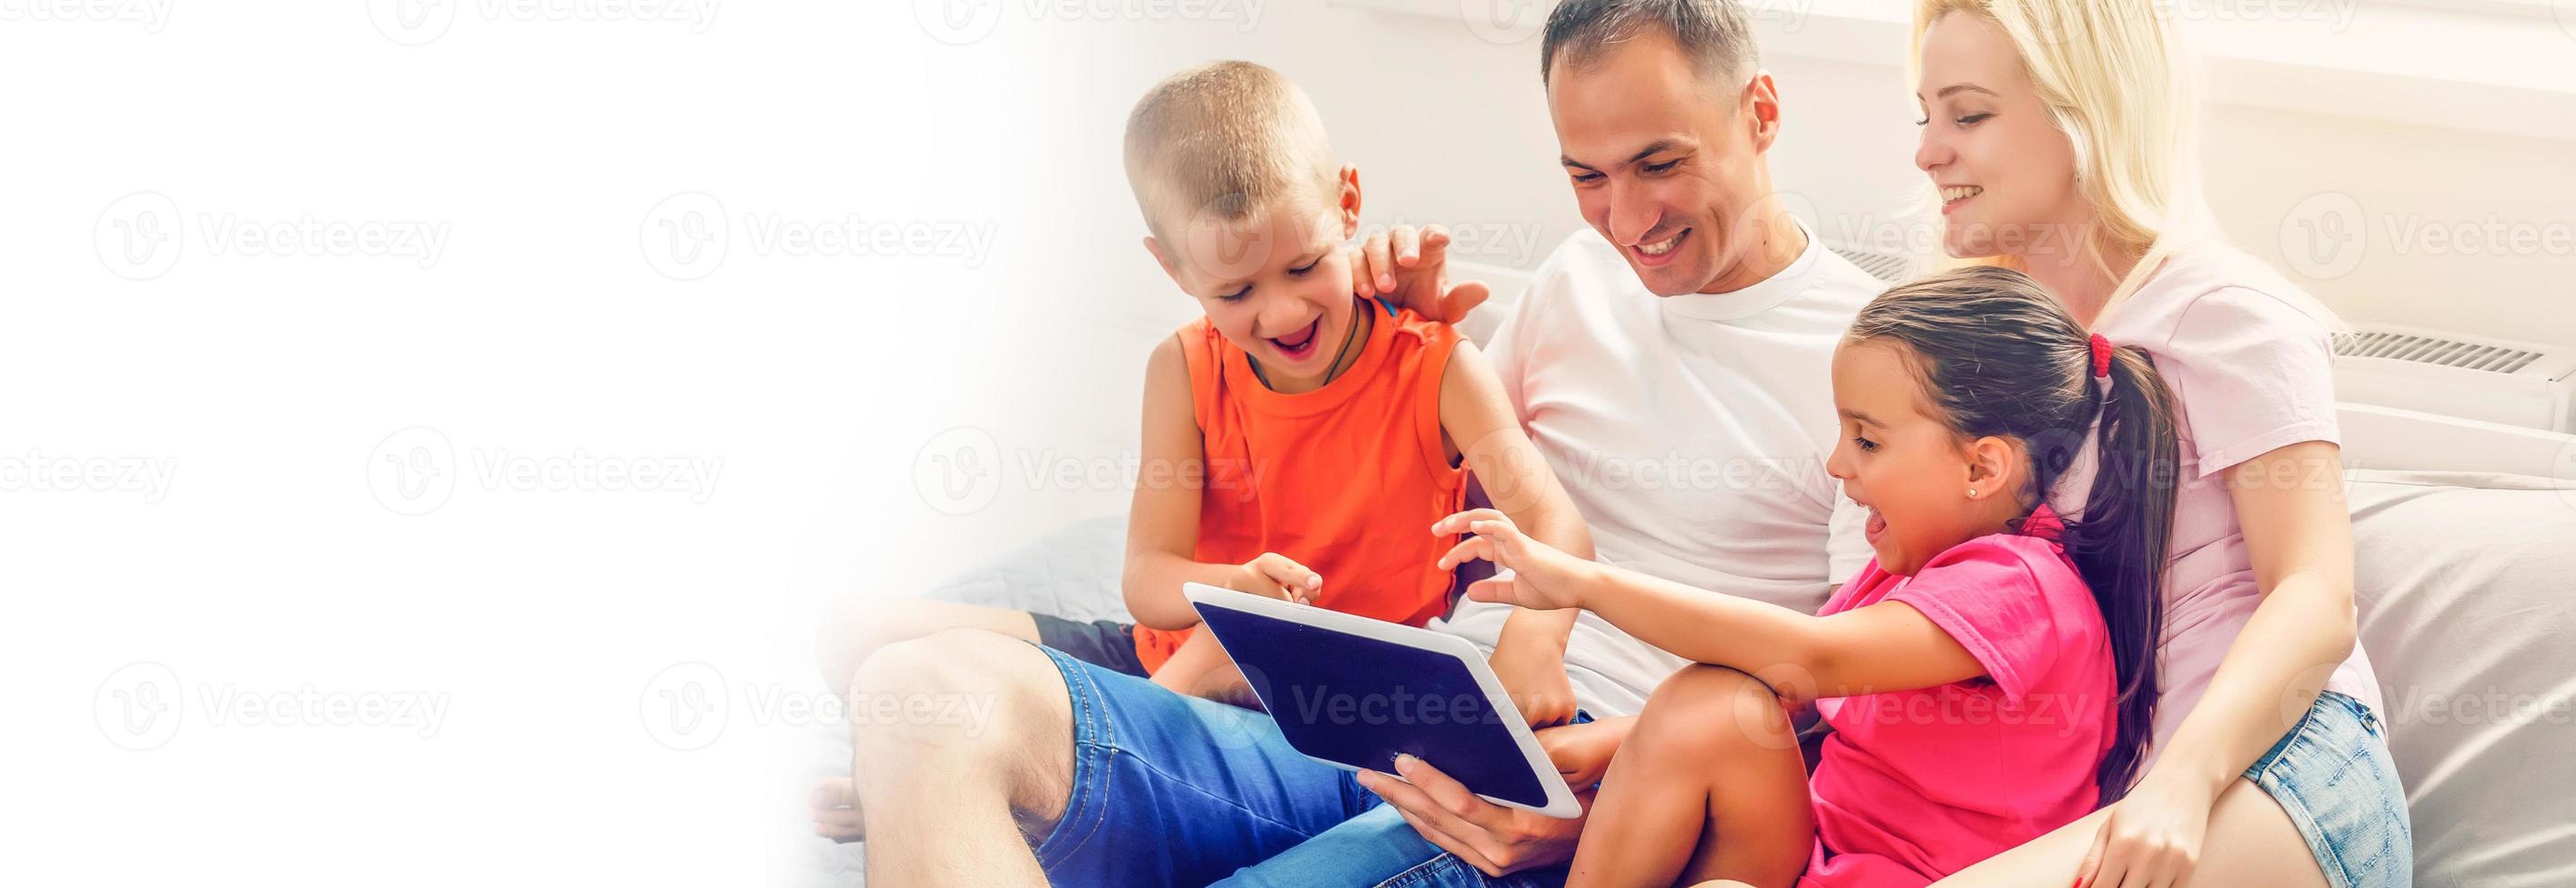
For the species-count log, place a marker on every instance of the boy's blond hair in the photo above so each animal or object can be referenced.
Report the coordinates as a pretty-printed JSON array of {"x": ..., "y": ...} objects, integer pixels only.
[{"x": 1225, "y": 138}]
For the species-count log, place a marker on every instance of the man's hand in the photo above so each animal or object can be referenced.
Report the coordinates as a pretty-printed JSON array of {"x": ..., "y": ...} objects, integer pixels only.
[
  {"x": 1274, "y": 575},
  {"x": 1494, "y": 839},
  {"x": 1533, "y": 674},
  {"x": 1408, "y": 267}
]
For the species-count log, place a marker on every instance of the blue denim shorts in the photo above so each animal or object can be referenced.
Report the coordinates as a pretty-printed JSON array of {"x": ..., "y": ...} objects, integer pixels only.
[
  {"x": 1176, "y": 790},
  {"x": 2333, "y": 775}
]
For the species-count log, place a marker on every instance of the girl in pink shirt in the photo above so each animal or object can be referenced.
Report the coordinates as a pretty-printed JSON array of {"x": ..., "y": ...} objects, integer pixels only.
[{"x": 1990, "y": 676}]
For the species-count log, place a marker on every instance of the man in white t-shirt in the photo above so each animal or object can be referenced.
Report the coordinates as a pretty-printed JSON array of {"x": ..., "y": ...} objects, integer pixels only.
[
  {"x": 1691, "y": 431},
  {"x": 1672, "y": 365}
]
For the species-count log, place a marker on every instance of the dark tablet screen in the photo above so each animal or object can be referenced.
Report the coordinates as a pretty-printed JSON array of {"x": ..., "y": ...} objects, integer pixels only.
[{"x": 1359, "y": 701}]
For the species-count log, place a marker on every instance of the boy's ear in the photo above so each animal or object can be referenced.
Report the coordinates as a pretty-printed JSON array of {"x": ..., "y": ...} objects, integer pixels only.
[
  {"x": 1160, "y": 258},
  {"x": 1347, "y": 205}
]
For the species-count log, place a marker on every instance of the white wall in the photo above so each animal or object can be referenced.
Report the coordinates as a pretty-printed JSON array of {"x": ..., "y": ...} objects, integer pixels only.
[
  {"x": 1483, "y": 152},
  {"x": 1447, "y": 125}
]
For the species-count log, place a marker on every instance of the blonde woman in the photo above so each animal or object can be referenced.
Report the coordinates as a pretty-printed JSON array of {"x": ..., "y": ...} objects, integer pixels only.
[{"x": 2060, "y": 138}]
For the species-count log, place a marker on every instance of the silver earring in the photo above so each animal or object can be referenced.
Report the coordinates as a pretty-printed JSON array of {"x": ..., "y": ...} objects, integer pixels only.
[{"x": 1972, "y": 493}]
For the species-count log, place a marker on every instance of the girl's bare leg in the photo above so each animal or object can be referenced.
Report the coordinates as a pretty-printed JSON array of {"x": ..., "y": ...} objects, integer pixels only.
[
  {"x": 1709, "y": 786},
  {"x": 2251, "y": 842}
]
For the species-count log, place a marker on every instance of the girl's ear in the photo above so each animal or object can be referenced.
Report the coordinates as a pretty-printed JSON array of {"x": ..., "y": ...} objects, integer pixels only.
[{"x": 1990, "y": 466}]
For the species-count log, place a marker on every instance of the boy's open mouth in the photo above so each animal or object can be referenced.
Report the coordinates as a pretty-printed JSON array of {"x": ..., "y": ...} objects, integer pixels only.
[{"x": 1301, "y": 343}]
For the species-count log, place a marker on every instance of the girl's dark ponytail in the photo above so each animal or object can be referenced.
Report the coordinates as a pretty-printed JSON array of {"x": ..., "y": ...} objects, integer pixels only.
[
  {"x": 2120, "y": 544},
  {"x": 1999, "y": 355}
]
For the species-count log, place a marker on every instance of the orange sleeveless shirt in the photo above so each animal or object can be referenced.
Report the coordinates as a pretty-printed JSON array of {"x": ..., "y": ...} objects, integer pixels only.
[{"x": 1346, "y": 479}]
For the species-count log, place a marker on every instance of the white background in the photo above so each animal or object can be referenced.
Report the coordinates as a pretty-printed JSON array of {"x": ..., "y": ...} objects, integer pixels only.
[{"x": 231, "y": 470}]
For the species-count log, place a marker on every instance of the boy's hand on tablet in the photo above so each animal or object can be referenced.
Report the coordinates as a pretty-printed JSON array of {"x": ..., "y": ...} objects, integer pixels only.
[
  {"x": 1534, "y": 575},
  {"x": 1274, "y": 575},
  {"x": 1408, "y": 267}
]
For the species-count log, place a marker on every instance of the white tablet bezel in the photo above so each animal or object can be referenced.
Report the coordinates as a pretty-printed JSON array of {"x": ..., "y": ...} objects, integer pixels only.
[{"x": 1561, "y": 803}]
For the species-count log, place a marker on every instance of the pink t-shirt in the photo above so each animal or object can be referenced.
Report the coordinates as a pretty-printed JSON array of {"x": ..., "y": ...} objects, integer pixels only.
[
  {"x": 1915, "y": 785},
  {"x": 2251, "y": 366}
]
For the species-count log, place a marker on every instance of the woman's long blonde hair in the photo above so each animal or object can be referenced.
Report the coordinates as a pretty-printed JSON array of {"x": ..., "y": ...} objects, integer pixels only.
[{"x": 2117, "y": 81}]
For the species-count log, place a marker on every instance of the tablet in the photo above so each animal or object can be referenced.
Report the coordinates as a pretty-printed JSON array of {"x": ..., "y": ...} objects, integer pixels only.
[{"x": 1352, "y": 692}]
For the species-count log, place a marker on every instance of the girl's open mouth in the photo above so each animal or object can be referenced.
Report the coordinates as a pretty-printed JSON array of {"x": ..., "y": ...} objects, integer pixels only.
[
  {"x": 1876, "y": 528},
  {"x": 1297, "y": 346}
]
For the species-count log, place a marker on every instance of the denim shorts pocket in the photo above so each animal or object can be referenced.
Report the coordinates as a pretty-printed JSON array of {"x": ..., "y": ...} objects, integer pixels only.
[{"x": 2333, "y": 776}]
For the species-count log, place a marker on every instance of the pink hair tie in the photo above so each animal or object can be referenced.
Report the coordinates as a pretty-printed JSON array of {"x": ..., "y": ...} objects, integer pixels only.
[{"x": 2101, "y": 356}]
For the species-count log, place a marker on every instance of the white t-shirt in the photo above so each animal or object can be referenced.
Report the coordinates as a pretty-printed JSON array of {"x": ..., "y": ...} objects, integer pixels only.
[
  {"x": 1692, "y": 433},
  {"x": 2251, "y": 366}
]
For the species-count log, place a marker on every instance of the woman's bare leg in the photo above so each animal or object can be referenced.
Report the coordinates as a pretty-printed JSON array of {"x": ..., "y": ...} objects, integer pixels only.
[
  {"x": 1709, "y": 785},
  {"x": 2251, "y": 842}
]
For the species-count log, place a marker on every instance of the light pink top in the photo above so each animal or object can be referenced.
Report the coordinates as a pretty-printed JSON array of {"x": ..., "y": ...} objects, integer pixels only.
[
  {"x": 1915, "y": 785},
  {"x": 2251, "y": 365}
]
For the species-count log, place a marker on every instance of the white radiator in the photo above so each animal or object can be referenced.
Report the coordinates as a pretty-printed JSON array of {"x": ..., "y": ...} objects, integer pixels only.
[{"x": 2490, "y": 380}]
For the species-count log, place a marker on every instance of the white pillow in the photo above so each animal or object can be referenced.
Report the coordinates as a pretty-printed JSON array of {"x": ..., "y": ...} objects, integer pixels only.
[{"x": 2467, "y": 590}]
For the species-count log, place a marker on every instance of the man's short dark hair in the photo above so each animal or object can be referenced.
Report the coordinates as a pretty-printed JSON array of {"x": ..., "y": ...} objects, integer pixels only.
[{"x": 1716, "y": 34}]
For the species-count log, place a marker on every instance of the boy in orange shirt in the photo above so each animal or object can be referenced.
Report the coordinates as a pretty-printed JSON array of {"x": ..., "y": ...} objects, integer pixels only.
[{"x": 1299, "y": 441}]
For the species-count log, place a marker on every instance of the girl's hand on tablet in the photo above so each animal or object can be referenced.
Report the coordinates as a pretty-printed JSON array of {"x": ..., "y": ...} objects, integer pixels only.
[
  {"x": 1274, "y": 575},
  {"x": 1540, "y": 577}
]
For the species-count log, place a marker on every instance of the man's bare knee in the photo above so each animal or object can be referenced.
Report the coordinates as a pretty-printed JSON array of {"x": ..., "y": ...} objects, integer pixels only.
[
  {"x": 852, "y": 631},
  {"x": 994, "y": 702},
  {"x": 857, "y": 628}
]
